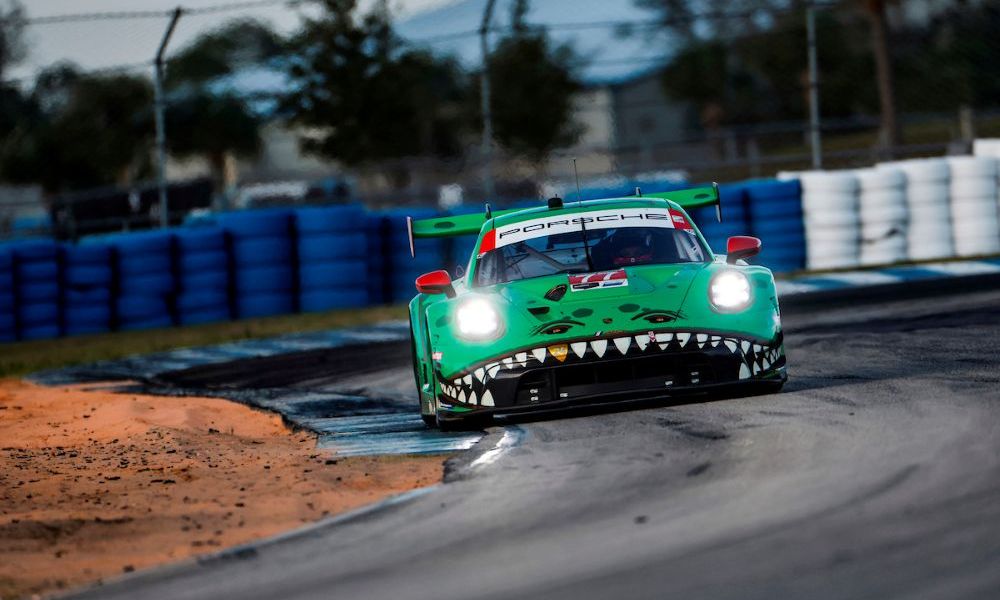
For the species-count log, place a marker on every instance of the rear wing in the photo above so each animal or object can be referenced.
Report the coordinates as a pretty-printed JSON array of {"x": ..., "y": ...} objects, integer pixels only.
[
  {"x": 698, "y": 197},
  {"x": 472, "y": 224},
  {"x": 450, "y": 226}
]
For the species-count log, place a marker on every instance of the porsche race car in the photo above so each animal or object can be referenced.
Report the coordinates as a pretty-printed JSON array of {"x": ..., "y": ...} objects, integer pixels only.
[{"x": 577, "y": 303}]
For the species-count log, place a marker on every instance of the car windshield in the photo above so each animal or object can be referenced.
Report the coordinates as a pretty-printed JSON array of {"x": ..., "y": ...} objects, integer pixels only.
[{"x": 610, "y": 249}]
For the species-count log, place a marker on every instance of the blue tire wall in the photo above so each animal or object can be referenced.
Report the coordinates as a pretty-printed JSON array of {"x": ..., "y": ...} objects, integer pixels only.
[
  {"x": 200, "y": 317},
  {"x": 146, "y": 279},
  {"x": 35, "y": 272},
  {"x": 278, "y": 278},
  {"x": 378, "y": 265},
  {"x": 204, "y": 300},
  {"x": 194, "y": 263},
  {"x": 39, "y": 332},
  {"x": 324, "y": 300},
  {"x": 263, "y": 259},
  {"x": 732, "y": 198},
  {"x": 329, "y": 219},
  {"x": 403, "y": 269},
  {"x": 332, "y": 249},
  {"x": 336, "y": 275},
  {"x": 203, "y": 281},
  {"x": 265, "y": 304},
  {"x": 775, "y": 209},
  {"x": 8, "y": 319},
  {"x": 34, "y": 250},
  {"x": 261, "y": 251},
  {"x": 203, "y": 266},
  {"x": 319, "y": 247}
]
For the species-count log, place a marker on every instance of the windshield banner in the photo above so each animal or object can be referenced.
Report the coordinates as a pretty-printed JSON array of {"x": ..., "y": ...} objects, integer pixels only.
[{"x": 603, "y": 219}]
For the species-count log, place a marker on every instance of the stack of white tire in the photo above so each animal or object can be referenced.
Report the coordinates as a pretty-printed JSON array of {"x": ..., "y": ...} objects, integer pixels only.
[
  {"x": 929, "y": 231},
  {"x": 975, "y": 225},
  {"x": 988, "y": 147},
  {"x": 831, "y": 217},
  {"x": 884, "y": 215}
]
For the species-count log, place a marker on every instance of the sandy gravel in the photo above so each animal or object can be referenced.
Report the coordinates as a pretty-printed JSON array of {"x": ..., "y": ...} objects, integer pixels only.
[{"x": 94, "y": 483}]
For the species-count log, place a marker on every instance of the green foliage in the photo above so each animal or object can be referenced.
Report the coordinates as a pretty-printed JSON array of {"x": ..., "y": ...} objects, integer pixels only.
[
  {"x": 81, "y": 131},
  {"x": 757, "y": 78},
  {"x": 211, "y": 125},
  {"x": 532, "y": 91},
  {"x": 366, "y": 98},
  {"x": 243, "y": 42}
]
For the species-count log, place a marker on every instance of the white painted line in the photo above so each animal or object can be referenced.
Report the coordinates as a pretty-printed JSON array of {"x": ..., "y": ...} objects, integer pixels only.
[
  {"x": 863, "y": 278},
  {"x": 508, "y": 441},
  {"x": 963, "y": 268},
  {"x": 790, "y": 288}
]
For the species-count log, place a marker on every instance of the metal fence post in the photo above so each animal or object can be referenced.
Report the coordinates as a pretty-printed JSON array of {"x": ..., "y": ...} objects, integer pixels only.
[
  {"x": 815, "y": 140},
  {"x": 159, "y": 109}
]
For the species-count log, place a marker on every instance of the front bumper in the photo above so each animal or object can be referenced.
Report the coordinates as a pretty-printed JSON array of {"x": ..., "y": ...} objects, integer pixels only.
[{"x": 612, "y": 368}]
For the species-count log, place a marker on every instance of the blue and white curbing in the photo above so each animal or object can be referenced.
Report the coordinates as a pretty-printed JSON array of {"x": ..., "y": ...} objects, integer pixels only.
[{"x": 844, "y": 280}]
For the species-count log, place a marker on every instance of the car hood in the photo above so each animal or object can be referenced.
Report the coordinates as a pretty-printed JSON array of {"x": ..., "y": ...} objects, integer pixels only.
[{"x": 551, "y": 310}]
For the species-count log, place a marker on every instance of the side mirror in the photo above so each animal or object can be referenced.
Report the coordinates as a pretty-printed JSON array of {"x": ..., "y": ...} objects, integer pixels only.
[
  {"x": 741, "y": 246},
  {"x": 436, "y": 282}
]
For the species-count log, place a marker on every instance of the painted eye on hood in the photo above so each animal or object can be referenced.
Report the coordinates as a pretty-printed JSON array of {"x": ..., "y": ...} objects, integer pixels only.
[
  {"x": 657, "y": 316},
  {"x": 557, "y": 328}
]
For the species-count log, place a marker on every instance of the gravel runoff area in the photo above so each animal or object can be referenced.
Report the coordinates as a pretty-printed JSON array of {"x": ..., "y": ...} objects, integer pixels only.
[{"x": 94, "y": 483}]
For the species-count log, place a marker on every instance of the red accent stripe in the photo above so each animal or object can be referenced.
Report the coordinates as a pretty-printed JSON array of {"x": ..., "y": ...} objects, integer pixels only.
[
  {"x": 489, "y": 242},
  {"x": 677, "y": 217}
]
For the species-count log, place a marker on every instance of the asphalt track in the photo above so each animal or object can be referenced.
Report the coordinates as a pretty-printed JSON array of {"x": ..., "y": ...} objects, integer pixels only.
[{"x": 875, "y": 474}]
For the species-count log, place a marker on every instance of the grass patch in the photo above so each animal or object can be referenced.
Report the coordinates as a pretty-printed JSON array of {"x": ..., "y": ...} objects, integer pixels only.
[{"x": 22, "y": 358}]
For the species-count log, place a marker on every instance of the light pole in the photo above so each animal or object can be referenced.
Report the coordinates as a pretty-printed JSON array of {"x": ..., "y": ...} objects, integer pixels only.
[
  {"x": 159, "y": 108},
  {"x": 484, "y": 85},
  {"x": 815, "y": 140}
]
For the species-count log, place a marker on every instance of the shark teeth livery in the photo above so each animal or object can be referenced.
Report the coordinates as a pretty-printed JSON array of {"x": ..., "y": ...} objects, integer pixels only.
[{"x": 755, "y": 359}]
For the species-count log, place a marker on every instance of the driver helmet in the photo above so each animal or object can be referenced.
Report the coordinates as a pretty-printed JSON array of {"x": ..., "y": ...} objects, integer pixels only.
[{"x": 631, "y": 246}]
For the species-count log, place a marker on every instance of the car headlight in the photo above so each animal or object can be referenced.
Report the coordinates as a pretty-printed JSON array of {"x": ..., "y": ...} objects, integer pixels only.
[
  {"x": 477, "y": 319},
  {"x": 730, "y": 291}
]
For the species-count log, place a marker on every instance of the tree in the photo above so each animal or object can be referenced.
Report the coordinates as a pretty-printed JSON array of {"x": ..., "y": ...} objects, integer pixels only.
[
  {"x": 237, "y": 44},
  {"x": 532, "y": 97},
  {"x": 363, "y": 97},
  {"x": 884, "y": 79},
  {"x": 202, "y": 118},
  {"x": 85, "y": 131},
  {"x": 212, "y": 126}
]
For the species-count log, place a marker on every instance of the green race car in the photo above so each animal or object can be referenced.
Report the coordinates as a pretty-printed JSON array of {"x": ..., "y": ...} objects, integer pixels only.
[{"x": 586, "y": 302}]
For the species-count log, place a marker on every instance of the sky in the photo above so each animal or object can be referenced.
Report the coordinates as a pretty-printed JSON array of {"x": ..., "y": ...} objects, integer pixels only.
[{"x": 100, "y": 44}]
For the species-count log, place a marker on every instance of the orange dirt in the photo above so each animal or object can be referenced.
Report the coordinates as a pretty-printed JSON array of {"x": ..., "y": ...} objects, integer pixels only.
[{"x": 94, "y": 483}]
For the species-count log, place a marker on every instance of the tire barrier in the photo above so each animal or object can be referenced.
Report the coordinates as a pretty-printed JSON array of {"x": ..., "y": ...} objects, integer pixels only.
[
  {"x": 775, "y": 214},
  {"x": 203, "y": 276},
  {"x": 375, "y": 230},
  {"x": 830, "y": 214},
  {"x": 332, "y": 246},
  {"x": 36, "y": 273},
  {"x": 263, "y": 258},
  {"x": 975, "y": 227},
  {"x": 928, "y": 234},
  {"x": 883, "y": 214},
  {"x": 87, "y": 288},
  {"x": 403, "y": 269},
  {"x": 8, "y": 318},
  {"x": 147, "y": 285}
]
